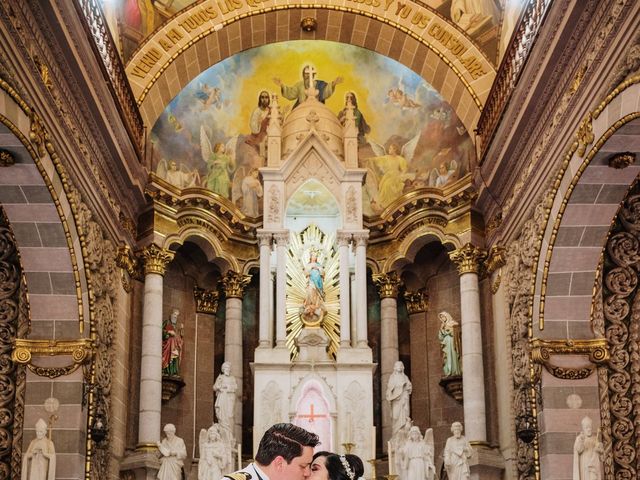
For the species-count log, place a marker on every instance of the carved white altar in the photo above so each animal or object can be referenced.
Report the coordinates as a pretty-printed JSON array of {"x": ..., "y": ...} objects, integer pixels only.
[{"x": 313, "y": 365}]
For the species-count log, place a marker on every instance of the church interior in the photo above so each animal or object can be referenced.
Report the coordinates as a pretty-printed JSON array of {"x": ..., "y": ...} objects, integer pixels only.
[{"x": 368, "y": 218}]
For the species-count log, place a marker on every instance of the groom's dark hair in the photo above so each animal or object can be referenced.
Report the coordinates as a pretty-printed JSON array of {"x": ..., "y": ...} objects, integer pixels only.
[{"x": 285, "y": 440}]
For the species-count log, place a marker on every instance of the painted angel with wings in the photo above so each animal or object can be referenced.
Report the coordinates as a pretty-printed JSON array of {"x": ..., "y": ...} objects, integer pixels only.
[
  {"x": 398, "y": 96},
  {"x": 221, "y": 162},
  {"x": 417, "y": 456},
  {"x": 179, "y": 177},
  {"x": 391, "y": 169},
  {"x": 446, "y": 172},
  {"x": 214, "y": 458}
]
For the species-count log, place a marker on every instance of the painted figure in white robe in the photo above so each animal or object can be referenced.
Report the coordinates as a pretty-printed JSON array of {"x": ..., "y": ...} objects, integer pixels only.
[
  {"x": 39, "y": 461},
  {"x": 173, "y": 451},
  {"x": 587, "y": 453},
  {"x": 456, "y": 454}
]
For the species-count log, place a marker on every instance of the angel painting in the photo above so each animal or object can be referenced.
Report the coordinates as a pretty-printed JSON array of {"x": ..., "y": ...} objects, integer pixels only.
[
  {"x": 398, "y": 96},
  {"x": 215, "y": 460},
  {"x": 220, "y": 163},
  {"x": 417, "y": 456},
  {"x": 445, "y": 173},
  {"x": 391, "y": 168},
  {"x": 209, "y": 96},
  {"x": 180, "y": 177}
]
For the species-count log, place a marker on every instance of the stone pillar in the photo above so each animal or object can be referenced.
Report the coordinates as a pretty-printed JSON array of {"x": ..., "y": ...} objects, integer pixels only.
[
  {"x": 468, "y": 260},
  {"x": 282, "y": 242},
  {"x": 344, "y": 239},
  {"x": 360, "y": 239},
  {"x": 155, "y": 261},
  {"x": 417, "y": 303},
  {"x": 233, "y": 285},
  {"x": 264, "y": 329},
  {"x": 388, "y": 284}
]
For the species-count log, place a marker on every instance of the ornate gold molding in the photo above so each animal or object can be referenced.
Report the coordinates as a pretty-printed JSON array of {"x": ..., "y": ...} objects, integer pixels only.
[
  {"x": 622, "y": 160},
  {"x": 597, "y": 349},
  {"x": 468, "y": 259},
  {"x": 388, "y": 284},
  {"x": 130, "y": 267},
  {"x": 156, "y": 259},
  {"x": 6, "y": 158},
  {"x": 206, "y": 300},
  {"x": 234, "y": 284},
  {"x": 496, "y": 259},
  {"x": 417, "y": 302},
  {"x": 584, "y": 135},
  {"x": 80, "y": 350}
]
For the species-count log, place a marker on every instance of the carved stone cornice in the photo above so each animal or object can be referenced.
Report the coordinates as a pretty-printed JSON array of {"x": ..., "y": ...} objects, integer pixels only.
[
  {"x": 496, "y": 259},
  {"x": 597, "y": 349},
  {"x": 388, "y": 284},
  {"x": 234, "y": 283},
  {"x": 80, "y": 350},
  {"x": 417, "y": 302},
  {"x": 344, "y": 238},
  {"x": 206, "y": 300},
  {"x": 361, "y": 238},
  {"x": 6, "y": 158},
  {"x": 156, "y": 259},
  {"x": 264, "y": 238},
  {"x": 468, "y": 259},
  {"x": 281, "y": 238}
]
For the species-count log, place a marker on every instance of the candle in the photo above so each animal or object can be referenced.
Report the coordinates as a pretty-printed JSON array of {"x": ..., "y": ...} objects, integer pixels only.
[
  {"x": 391, "y": 467},
  {"x": 349, "y": 437},
  {"x": 373, "y": 442},
  {"x": 239, "y": 456}
]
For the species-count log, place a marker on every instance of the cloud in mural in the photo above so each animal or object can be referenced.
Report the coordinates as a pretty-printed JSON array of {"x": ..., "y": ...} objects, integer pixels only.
[{"x": 213, "y": 130}]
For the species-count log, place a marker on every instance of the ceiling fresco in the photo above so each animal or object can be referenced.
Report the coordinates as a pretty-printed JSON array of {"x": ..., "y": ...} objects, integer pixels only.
[{"x": 212, "y": 134}]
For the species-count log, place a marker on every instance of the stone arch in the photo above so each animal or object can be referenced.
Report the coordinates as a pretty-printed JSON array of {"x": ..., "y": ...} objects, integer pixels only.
[
  {"x": 412, "y": 244},
  {"x": 419, "y": 53},
  {"x": 208, "y": 243},
  {"x": 587, "y": 198}
]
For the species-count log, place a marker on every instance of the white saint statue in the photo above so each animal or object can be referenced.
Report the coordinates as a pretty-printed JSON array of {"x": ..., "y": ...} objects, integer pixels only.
[
  {"x": 173, "y": 451},
  {"x": 39, "y": 462},
  {"x": 225, "y": 389},
  {"x": 398, "y": 395},
  {"x": 456, "y": 454},
  {"x": 213, "y": 455},
  {"x": 417, "y": 456},
  {"x": 587, "y": 453}
]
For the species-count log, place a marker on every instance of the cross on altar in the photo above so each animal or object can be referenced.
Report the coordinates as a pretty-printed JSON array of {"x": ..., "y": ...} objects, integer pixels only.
[{"x": 311, "y": 415}]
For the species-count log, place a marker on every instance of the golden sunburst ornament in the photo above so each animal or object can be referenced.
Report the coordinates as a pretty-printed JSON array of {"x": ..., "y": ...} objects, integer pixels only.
[{"x": 313, "y": 292}]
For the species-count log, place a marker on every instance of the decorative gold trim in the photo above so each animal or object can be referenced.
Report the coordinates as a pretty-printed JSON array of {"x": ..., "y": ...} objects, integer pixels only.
[
  {"x": 388, "y": 284},
  {"x": 496, "y": 285},
  {"x": 309, "y": 24},
  {"x": 234, "y": 283},
  {"x": 622, "y": 160},
  {"x": 495, "y": 259},
  {"x": 584, "y": 135},
  {"x": 417, "y": 302},
  {"x": 6, "y": 158},
  {"x": 597, "y": 349},
  {"x": 130, "y": 267},
  {"x": 156, "y": 259},
  {"x": 80, "y": 350},
  {"x": 146, "y": 447},
  {"x": 468, "y": 259},
  {"x": 206, "y": 300}
]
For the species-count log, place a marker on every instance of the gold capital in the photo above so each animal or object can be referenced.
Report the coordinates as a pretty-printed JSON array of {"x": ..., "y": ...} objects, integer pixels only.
[
  {"x": 468, "y": 259},
  {"x": 156, "y": 259},
  {"x": 234, "y": 283},
  {"x": 496, "y": 259},
  {"x": 387, "y": 283},
  {"x": 417, "y": 302},
  {"x": 206, "y": 300}
]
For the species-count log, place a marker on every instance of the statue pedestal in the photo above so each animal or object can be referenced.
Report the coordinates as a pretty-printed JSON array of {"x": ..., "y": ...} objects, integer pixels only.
[
  {"x": 453, "y": 386},
  {"x": 486, "y": 463},
  {"x": 143, "y": 465}
]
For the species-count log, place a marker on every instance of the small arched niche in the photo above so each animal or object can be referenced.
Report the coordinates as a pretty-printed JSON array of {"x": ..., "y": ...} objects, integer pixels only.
[{"x": 313, "y": 203}]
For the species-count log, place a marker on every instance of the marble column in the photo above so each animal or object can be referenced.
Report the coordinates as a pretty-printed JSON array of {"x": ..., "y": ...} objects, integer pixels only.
[
  {"x": 282, "y": 242},
  {"x": 155, "y": 260},
  {"x": 264, "y": 329},
  {"x": 233, "y": 284},
  {"x": 360, "y": 239},
  {"x": 344, "y": 238},
  {"x": 417, "y": 303},
  {"x": 468, "y": 260},
  {"x": 388, "y": 284}
]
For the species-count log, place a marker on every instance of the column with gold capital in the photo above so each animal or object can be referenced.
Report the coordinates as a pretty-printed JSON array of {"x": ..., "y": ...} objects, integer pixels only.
[
  {"x": 155, "y": 260},
  {"x": 233, "y": 284},
  {"x": 264, "y": 329},
  {"x": 388, "y": 285},
  {"x": 469, "y": 260},
  {"x": 360, "y": 239}
]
